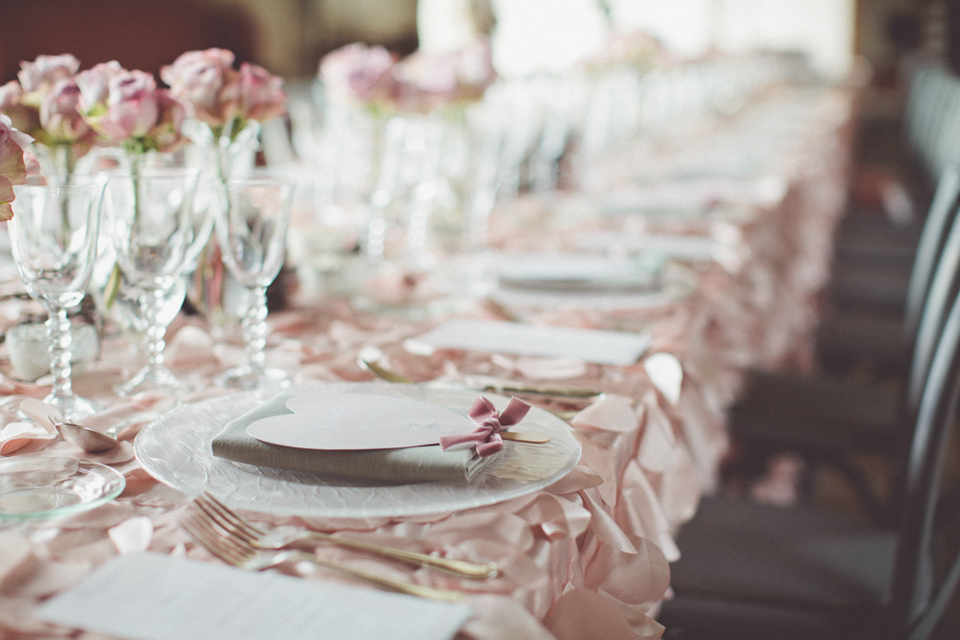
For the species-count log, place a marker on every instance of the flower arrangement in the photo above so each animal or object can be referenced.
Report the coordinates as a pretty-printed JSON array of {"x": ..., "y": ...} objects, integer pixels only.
[
  {"x": 12, "y": 167},
  {"x": 420, "y": 82},
  {"x": 128, "y": 109},
  {"x": 227, "y": 104},
  {"x": 42, "y": 103},
  {"x": 225, "y": 98}
]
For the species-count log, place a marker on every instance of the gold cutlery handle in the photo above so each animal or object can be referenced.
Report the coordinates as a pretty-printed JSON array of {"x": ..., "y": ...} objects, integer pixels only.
[
  {"x": 399, "y": 586},
  {"x": 507, "y": 389},
  {"x": 461, "y": 568},
  {"x": 529, "y": 438}
]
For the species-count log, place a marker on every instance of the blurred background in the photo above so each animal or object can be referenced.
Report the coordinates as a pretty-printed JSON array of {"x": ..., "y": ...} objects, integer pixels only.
[{"x": 290, "y": 36}]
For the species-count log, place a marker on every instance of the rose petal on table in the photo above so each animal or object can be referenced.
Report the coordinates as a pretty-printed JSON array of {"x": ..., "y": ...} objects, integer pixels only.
[
  {"x": 609, "y": 412},
  {"x": 133, "y": 535},
  {"x": 16, "y": 435},
  {"x": 138, "y": 481},
  {"x": 40, "y": 412},
  {"x": 190, "y": 347},
  {"x": 666, "y": 373}
]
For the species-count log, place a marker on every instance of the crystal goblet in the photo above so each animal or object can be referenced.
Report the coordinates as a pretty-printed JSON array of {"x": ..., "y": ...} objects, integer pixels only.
[
  {"x": 53, "y": 237},
  {"x": 252, "y": 233},
  {"x": 151, "y": 223}
]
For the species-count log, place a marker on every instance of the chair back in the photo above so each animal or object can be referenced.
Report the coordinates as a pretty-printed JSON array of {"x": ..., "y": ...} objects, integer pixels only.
[
  {"x": 923, "y": 580},
  {"x": 943, "y": 210},
  {"x": 940, "y": 292}
]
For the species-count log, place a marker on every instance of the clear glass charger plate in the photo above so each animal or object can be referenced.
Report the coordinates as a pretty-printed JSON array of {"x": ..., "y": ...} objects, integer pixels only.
[
  {"x": 175, "y": 448},
  {"x": 39, "y": 488}
]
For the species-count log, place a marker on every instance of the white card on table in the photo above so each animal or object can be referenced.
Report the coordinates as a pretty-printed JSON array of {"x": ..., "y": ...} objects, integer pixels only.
[
  {"x": 589, "y": 345},
  {"x": 357, "y": 421},
  {"x": 151, "y": 596}
]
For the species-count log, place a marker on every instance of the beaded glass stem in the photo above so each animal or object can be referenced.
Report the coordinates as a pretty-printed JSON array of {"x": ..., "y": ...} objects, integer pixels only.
[
  {"x": 152, "y": 227},
  {"x": 252, "y": 234},
  {"x": 54, "y": 239}
]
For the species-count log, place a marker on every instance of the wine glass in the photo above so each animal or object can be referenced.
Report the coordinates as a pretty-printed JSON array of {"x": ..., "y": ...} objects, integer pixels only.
[
  {"x": 252, "y": 234},
  {"x": 119, "y": 300},
  {"x": 151, "y": 223},
  {"x": 53, "y": 236}
]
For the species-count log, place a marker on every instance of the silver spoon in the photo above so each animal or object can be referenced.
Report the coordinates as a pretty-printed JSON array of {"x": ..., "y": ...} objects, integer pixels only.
[{"x": 90, "y": 440}]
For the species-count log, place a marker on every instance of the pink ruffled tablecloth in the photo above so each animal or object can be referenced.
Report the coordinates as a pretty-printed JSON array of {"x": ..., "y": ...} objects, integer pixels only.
[{"x": 589, "y": 556}]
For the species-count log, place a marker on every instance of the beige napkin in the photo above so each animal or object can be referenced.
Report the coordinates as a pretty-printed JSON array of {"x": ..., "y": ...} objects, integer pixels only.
[{"x": 411, "y": 464}]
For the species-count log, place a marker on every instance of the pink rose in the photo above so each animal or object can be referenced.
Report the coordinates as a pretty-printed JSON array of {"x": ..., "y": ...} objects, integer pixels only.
[
  {"x": 10, "y": 95},
  {"x": 59, "y": 114},
  {"x": 94, "y": 85},
  {"x": 207, "y": 83},
  {"x": 261, "y": 93},
  {"x": 359, "y": 73},
  {"x": 12, "y": 168},
  {"x": 24, "y": 117},
  {"x": 118, "y": 103},
  {"x": 167, "y": 131},
  {"x": 44, "y": 72}
]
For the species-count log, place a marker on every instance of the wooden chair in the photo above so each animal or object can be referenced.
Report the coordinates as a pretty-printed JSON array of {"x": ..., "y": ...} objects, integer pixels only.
[{"x": 755, "y": 571}]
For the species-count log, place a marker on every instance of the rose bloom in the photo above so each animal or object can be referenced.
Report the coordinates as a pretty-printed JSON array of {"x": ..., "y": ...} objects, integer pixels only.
[
  {"x": 25, "y": 118},
  {"x": 207, "y": 83},
  {"x": 59, "y": 114},
  {"x": 94, "y": 84},
  {"x": 118, "y": 103},
  {"x": 261, "y": 93},
  {"x": 358, "y": 72},
  {"x": 43, "y": 73},
  {"x": 12, "y": 168},
  {"x": 166, "y": 133}
]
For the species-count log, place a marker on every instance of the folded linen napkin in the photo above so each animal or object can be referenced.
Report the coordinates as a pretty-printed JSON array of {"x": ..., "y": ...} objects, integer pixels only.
[{"x": 401, "y": 466}]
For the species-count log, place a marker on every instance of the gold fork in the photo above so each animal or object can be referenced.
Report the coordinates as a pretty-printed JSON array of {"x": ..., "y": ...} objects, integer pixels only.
[
  {"x": 234, "y": 551},
  {"x": 235, "y": 525}
]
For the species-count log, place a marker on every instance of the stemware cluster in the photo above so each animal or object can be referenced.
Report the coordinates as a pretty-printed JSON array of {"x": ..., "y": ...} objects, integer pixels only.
[{"x": 119, "y": 183}]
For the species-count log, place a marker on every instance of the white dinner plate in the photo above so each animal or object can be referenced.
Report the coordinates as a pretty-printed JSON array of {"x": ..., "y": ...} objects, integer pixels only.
[{"x": 175, "y": 449}]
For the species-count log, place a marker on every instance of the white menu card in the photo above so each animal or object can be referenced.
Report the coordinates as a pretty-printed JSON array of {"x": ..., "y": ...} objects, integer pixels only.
[
  {"x": 151, "y": 596},
  {"x": 589, "y": 345}
]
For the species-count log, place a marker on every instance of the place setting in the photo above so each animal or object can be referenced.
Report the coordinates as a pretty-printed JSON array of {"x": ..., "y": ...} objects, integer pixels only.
[{"x": 358, "y": 449}]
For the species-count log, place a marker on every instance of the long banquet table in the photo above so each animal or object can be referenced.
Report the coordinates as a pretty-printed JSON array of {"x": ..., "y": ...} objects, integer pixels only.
[{"x": 587, "y": 557}]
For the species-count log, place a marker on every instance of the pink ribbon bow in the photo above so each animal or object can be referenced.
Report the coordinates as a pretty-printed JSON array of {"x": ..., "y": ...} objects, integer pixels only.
[{"x": 486, "y": 437}]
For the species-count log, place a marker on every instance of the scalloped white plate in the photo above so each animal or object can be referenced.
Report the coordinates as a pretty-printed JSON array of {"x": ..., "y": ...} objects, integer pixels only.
[{"x": 175, "y": 449}]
